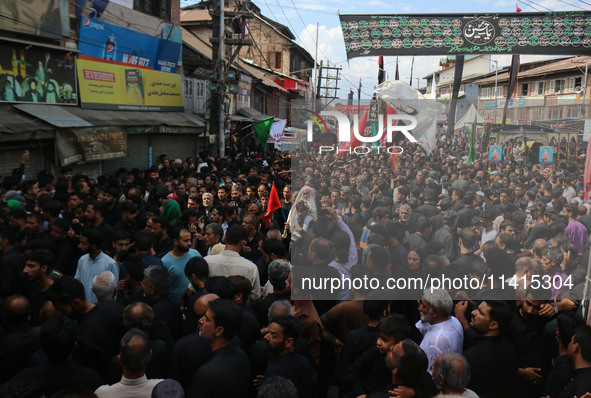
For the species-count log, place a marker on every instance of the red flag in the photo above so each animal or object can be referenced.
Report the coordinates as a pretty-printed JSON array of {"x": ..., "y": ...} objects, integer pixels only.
[
  {"x": 517, "y": 9},
  {"x": 588, "y": 171},
  {"x": 273, "y": 204}
]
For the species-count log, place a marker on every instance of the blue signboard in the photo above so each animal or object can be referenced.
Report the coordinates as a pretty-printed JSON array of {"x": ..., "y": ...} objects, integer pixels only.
[{"x": 114, "y": 43}]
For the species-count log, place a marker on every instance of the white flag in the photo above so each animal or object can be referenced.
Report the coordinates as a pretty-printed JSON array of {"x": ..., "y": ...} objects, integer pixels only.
[{"x": 277, "y": 130}]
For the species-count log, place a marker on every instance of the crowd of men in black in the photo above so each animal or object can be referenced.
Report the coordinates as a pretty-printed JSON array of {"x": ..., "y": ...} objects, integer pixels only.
[{"x": 174, "y": 281}]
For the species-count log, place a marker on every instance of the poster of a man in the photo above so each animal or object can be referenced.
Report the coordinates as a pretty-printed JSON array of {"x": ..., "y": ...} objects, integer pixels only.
[
  {"x": 546, "y": 155},
  {"x": 495, "y": 154}
]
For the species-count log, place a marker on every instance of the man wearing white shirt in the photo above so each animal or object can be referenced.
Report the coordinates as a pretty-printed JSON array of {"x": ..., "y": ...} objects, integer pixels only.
[
  {"x": 441, "y": 332},
  {"x": 134, "y": 355}
]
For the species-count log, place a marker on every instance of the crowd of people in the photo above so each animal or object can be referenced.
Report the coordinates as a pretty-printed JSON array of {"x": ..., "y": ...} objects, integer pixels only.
[{"x": 177, "y": 281}]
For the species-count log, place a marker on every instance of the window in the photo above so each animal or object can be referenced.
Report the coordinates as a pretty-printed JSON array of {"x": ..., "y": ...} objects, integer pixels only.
[
  {"x": 540, "y": 88},
  {"x": 524, "y": 89},
  {"x": 572, "y": 112},
  {"x": 556, "y": 86},
  {"x": 500, "y": 91},
  {"x": 157, "y": 8},
  {"x": 575, "y": 84},
  {"x": 485, "y": 92},
  {"x": 275, "y": 60},
  {"x": 556, "y": 112},
  {"x": 537, "y": 114}
]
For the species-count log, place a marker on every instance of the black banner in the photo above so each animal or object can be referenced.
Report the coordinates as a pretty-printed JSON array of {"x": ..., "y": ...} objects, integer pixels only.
[{"x": 551, "y": 33}]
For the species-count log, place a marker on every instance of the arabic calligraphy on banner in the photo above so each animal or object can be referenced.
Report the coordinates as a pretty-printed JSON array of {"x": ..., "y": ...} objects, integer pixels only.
[
  {"x": 552, "y": 33},
  {"x": 119, "y": 87}
]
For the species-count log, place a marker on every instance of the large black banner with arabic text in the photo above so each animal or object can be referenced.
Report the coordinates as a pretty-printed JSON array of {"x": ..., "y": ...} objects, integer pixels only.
[{"x": 552, "y": 33}]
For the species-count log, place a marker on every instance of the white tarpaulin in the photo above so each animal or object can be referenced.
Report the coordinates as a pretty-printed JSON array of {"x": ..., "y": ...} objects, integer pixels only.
[
  {"x": 406, "y": 100},
  {"x": 468, "y": 118}
]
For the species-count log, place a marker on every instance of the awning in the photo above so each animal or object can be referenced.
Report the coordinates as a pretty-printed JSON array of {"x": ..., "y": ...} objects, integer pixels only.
[
  {"x": 252, "y": 114},
  {"x": 13, "y": 121},
  {"x": 73, "y": 117},
  {"x": 266, "y": 78}
]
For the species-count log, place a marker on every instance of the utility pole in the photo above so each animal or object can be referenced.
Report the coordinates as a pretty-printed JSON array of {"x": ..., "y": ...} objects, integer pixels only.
[
  {"x": 331, "y": 82},
  {"x": 222, "y": 78},
  {"x": 216, "y": 113}
]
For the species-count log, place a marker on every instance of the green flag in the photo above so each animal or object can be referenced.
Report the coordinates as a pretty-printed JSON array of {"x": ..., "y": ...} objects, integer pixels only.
[
  {"x": 472, "y": 151},
  {"x": 262, "y": 128}
]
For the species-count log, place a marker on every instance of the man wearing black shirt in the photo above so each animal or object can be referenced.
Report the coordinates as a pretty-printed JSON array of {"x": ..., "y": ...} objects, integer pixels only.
[
  {"x": 227, "y": 373},
  {"x": 463, "y": 264},
  {"x": 579, "y": 351},
  {"x": 192, "y": 351},
  {"x": 162, "y": 242},
  {"x": 66, "y": 258},
  {"x": 527, "y": 334},
  {"x": 94, "y": 217},
  {"x": 468, "y": 212},
  {"x": 369, "y": 373},
  {"x": 156, "y": 286},
  {"x": 493, "y": 361},
  {"x": 99, "y": 327},
  {"x": 11, "y": 263},
  {"x": 37, "y": 271},
  {"x": 562, "y": 370},
  {"x": 281, "y": 337}
]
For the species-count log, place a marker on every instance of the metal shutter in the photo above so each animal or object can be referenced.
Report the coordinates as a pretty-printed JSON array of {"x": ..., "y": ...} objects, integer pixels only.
[
  {"x": 41, "y": 158},
  {"x": 174, "y": 146},
  {"x": 137, "y": 155}
]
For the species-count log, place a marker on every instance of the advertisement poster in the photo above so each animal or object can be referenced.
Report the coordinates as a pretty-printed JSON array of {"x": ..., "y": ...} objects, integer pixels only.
[
  {"x": 540, "y": 33},
  {"x": 30, "y": 73},
  {"x": 91, "y": 144},
  {"x": 119, "y": 87},
  {"x": 121, "y": 13},
  {"x": 546, "y": 155},
  {"x": 114, "y": 43},
  {"x": 495, "y": 154}
]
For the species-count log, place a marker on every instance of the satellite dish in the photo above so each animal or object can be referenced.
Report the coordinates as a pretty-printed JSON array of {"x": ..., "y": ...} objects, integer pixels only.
[{"x": 578, "y": 89}]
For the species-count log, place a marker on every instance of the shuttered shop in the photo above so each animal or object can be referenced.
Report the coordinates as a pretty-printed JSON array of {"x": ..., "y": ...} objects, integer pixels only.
[
  {"x": 174, "y": 145},
  {"x": 137, "y": 155}
]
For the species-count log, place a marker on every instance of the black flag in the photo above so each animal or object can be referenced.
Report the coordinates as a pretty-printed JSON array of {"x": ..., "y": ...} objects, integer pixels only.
[
  {"x": 512, "y": 84},
  {"x": 451, "y": 116},
  {"x": 381, "y": 71}
]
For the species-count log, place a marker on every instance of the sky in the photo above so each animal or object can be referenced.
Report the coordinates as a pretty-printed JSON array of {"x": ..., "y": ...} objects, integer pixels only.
[{"x": 302, "y": 16}]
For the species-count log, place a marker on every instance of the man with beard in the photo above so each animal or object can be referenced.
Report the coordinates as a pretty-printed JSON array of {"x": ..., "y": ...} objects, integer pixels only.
[
  {"x": 227, "y": 373},
  {"x": 99, "y": 327},
  {"x": 579, "y": 351},
  {"x": 212, "y": 236},
  {"x": 38, "y": 272},
  {"x": 63, "y": 248},
  {"x": 93, "y": 262},
  {"x": 527, "y": 334},
  {"x": 407, "y": 365},
  {"x": 95, "y": 220},
  {"x": 176, "y": 260},
  {"x": 492, "y": 359},
  {"x": 34, "y": 229},
  {"x": 156, "y": 287},
  {"x": 110, "y": 200},
  {"x": 282, "y": 333},
  {"x": 162, "y": 244},
  {"x": 441, "y": 332}
]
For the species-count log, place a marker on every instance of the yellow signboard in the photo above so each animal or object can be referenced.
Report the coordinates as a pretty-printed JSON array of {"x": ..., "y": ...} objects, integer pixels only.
[{"x": 106, "y": 85}]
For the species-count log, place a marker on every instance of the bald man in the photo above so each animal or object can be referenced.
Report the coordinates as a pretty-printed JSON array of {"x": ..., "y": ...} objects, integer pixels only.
[{"x": 192, "y": 351}]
